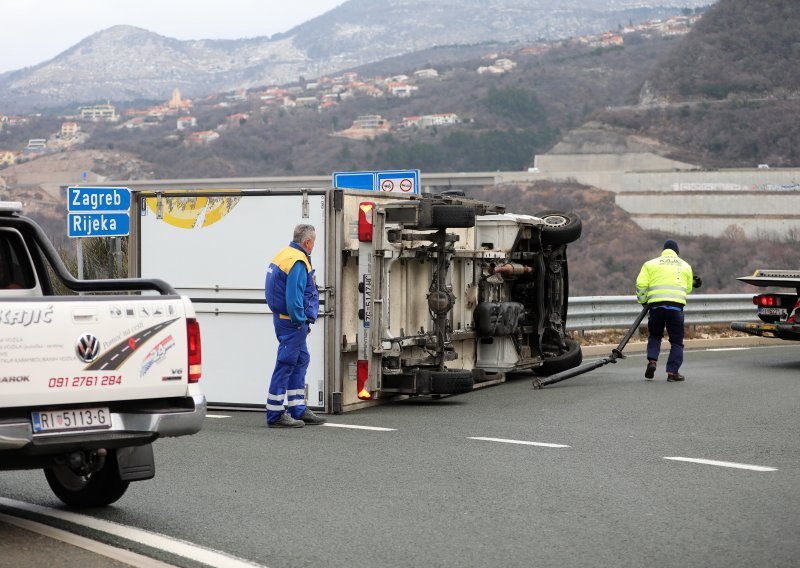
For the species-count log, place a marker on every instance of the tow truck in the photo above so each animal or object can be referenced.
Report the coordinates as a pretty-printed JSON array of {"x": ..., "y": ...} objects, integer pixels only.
[{"x": 779, "y": 312}]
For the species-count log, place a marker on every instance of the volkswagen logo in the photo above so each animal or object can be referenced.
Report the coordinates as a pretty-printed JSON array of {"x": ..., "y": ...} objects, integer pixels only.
[{"x": 88, "y": 348}]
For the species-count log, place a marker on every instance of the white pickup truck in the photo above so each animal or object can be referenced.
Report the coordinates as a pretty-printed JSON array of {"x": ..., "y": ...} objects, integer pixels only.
[{"x": 89, "y": 381}]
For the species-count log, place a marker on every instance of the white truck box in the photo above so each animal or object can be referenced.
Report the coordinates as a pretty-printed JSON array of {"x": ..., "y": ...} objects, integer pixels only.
[{"x": 445, "y": 295}]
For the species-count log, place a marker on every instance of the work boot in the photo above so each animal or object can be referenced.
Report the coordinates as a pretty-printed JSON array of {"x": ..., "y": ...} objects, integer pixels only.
[
  {"x": 309, "y": 417},
  {"x": 674, "y": 377},
  {"x": 286, "y": 421},
  {"x": 651, "y": 370}
]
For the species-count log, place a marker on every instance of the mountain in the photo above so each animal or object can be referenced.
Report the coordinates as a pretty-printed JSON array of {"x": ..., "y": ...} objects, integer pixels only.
[
  {"x": 125, "y": 63},
  {"x": 738, "y": 48},
  {"x": 728, "y": 94}
]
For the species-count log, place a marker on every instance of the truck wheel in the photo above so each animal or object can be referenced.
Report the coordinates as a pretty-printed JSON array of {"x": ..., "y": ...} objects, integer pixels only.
[
  {"x": 560, "y": 228},
  {"x": 451, "y": 382},
  {"x": 569, "y": 359},
  {"x": 97, "y": 489}
]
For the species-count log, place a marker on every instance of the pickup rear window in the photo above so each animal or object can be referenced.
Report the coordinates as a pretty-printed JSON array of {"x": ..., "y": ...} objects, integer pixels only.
[{"x": 15, "y": 269}]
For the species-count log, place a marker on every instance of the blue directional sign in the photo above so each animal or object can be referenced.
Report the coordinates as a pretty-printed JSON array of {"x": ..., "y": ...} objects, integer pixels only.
[
  {"x": 98, "y": 199},
  {"x": 386, "y": 181},
  {"x": 104, "y": 224},
  {"x": 98, "y": 211}
]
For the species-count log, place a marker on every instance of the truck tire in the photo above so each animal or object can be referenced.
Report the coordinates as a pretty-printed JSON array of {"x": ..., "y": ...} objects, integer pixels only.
[
  {"x": 560, "y": 228},
  {"x": 569, "y": 359},
  {"x": 451, "y": 382},
  {"x": 97, "y": 489}
]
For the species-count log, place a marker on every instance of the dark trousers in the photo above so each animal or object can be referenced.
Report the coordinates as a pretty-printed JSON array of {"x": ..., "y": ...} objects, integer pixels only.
[
  {"x": 289, "y": 377},
  {"x": 660, "y": 318}
]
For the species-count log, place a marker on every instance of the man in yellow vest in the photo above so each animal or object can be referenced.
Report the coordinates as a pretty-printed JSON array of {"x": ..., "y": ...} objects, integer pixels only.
[
  {"x": 663, "y": 284},
  {"x": 291, "y": 293}
]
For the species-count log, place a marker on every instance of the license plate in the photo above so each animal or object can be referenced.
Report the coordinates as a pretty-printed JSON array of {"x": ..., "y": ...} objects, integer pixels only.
[
  {"x": 71, "y": 420},
  {"x": 782, "y": 312}
]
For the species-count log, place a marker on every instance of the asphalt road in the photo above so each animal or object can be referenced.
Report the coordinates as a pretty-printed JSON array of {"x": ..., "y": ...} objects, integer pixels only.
[{"x": 438, "y": 488}]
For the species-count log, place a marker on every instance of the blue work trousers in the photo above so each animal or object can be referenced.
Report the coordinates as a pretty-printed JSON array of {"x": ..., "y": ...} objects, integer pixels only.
[
  {"x": 289, "y": 377},
  {"x": 660, "y": 318}
]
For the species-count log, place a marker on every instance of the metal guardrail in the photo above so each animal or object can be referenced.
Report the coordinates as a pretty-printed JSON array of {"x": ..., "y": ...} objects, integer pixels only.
[{"x": 609, "y": 312}]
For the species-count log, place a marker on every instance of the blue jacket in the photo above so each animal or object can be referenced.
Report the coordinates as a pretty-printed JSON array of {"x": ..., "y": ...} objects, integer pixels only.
[{"x": 289, "y": 287}]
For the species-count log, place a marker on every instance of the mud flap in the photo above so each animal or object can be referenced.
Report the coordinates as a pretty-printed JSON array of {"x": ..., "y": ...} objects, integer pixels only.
[{"x": 136, "y": 463}]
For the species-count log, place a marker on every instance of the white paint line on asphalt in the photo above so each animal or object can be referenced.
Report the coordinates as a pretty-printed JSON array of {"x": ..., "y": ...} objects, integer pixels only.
[
  {"x": 724, "y": 464},
  {"x": 118, "y": 554},
  {"x": 521, "y": 442},
  {"x": 168, "y": 544},
  {"x": 357, "y": 427},
  {"x": 217, "y": 416},
  {"x": 730, "y": 349}
]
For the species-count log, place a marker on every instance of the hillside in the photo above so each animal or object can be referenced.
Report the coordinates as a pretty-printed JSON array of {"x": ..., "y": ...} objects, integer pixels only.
[
  {"x": 125, "y": 63},
  {"x": 505, "y": 119},
  {"x": 729, "y": 93}
]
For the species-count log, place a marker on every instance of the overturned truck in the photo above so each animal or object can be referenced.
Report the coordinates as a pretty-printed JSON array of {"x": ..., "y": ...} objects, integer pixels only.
[{"x": 420, "y": 295}]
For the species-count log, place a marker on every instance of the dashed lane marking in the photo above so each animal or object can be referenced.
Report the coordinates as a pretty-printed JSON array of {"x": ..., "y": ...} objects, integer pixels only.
[
  {"x": 217, "y": 416},
  {"x": 521, "y": 442},
  {"x": 729, "y": 349},
  {"x": 357, "y": 427},
  {"x": 724, "y": 464},
  {"x": 168, "y": 544}
]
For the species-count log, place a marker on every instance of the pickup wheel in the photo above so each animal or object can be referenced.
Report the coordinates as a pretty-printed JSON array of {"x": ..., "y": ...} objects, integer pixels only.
[
  {"x": 96, "y": 489},
  {"x": 560, "y": 228},
  {"x": 569, "y": 359},
  {"x": 451, "y": 382}
]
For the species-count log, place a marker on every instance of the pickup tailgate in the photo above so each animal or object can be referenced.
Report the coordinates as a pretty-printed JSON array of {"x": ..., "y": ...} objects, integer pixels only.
[{"x": 85, "y": 349}]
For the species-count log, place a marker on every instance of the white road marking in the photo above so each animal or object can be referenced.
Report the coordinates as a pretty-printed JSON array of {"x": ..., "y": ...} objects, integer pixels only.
[
  {"x": 357, "y": 427},
  {"x": 729, "y": 349},
  {"x": 724, "y": 464},
  {"x": 522, "y": 442},
  {"x": 118, "y": 554},
  {"x": 217, "y": 416},
  {"x": 168, "y": 544}
]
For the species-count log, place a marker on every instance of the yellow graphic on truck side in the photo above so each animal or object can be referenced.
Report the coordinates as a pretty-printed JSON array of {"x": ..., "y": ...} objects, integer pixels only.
[{"x": 192, "y": 212}]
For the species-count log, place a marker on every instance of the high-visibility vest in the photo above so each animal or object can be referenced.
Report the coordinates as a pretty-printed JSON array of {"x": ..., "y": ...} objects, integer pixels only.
[
  {"x": 277, "y": 276},
  {"x": 666, "y": 278}
]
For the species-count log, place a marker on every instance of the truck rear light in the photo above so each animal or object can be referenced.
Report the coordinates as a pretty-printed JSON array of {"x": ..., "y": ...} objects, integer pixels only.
[
  {"x": 194, "y": 350},
  {"x": 362, "y": 374},
  {"x": 766, "y": 300},
  {"x": 365, "y": 212}
]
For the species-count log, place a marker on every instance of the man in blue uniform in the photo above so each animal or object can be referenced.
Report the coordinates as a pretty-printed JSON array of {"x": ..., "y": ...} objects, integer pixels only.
[
  {"x": 292, "y": 296},
  {"x": 663, "y": 284}
]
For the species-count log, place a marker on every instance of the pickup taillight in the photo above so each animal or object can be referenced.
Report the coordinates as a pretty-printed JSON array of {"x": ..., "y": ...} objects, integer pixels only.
[{"x": 195, "y": 351}]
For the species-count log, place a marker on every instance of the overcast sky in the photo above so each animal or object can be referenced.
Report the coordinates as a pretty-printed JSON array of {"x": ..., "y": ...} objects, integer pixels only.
[{"x": 34, "y": 31}]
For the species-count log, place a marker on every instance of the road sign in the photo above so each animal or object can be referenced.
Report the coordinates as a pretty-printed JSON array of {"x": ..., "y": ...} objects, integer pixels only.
[
  {"x": 386, "y": 181},
  {"x": 98, "y": 211},
  {"x": 104, "y": 224},
  {"x": 80, "y": 199}
]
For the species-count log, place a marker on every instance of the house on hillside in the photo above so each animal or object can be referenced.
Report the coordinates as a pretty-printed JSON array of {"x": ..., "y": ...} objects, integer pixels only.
[
  {"x": 237, "y": 119},
  {"x": 430, "y": 120},
  {"x": 35, "y": 146},
  {"x": 69, "y": 129},
  {"x": 186, "y": 122},
  {"x": 367, "y": 126},
  {"x": 202, "y": 137},
  {"x": 106, "y": 112},
  {"x": 426, "y": 74}
]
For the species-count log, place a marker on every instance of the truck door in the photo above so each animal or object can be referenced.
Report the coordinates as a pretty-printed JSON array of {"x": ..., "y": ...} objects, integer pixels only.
[{"x": 215, "y": 247}]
